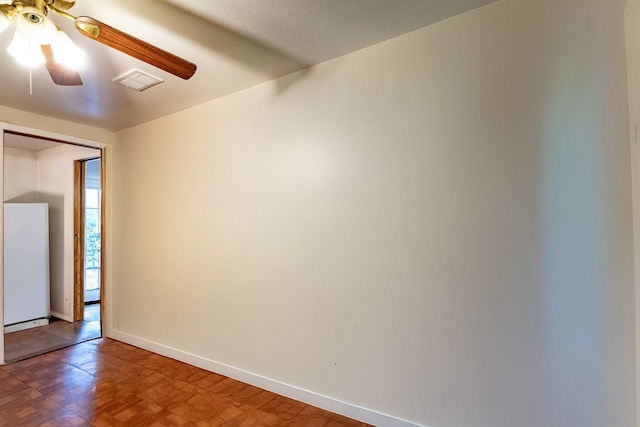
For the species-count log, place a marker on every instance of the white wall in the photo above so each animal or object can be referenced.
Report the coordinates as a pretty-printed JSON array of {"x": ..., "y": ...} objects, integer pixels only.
[
  {"x": 437, "y": 228},
  {"x": 20, "y": 176}
]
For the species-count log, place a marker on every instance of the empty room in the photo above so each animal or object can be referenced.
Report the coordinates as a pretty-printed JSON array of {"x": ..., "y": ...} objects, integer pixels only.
[{"x": 400, "y": 213}]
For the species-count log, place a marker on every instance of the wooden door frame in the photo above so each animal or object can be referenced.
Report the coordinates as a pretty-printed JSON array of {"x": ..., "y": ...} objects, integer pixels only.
[{"x": 78, "y": 240}]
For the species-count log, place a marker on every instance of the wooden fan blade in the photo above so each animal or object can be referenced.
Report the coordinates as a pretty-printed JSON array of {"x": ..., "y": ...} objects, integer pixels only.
[
  {"x": 135, "y": 47},
  {"x": 61, "y": 75}
]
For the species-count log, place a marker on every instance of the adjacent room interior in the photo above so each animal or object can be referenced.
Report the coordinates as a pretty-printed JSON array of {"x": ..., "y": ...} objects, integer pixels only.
[{"x": 62, "y": 182}]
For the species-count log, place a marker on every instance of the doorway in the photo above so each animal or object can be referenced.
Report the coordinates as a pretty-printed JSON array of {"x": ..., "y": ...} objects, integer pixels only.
[
  {"x": 41, "y": 170},
  {"x": 88, "y": 237}
]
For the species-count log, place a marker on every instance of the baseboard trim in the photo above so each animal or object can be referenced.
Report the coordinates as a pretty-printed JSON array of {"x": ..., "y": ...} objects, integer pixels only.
[
  {"x": 325, "y": 402},
  {"x": 26, "y": 325}
]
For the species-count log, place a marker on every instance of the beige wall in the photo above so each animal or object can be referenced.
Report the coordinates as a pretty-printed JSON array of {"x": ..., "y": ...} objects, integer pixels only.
[{"x": 436, "y": 228}]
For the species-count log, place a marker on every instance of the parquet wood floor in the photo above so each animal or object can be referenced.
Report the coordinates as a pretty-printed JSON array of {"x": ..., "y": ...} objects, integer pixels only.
[{"x": 107, "y": 383}]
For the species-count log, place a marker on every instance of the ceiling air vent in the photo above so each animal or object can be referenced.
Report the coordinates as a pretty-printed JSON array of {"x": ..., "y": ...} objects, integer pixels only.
[{"x": 137, "y": 80}]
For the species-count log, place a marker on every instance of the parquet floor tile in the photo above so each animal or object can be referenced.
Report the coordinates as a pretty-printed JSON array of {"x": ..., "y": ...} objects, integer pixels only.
[{"x": 108, "y": 383}]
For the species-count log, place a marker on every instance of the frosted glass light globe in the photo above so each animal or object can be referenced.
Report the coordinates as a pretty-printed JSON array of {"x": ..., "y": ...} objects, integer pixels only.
[
  {"x": 26, "y": 52},
  {"x": 66, "y": 52},
  {"x": 35, "y": 26}
]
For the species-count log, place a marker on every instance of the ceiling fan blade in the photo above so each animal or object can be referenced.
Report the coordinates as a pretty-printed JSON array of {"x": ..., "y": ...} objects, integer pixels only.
[
  {"x": 61, "y": 75},
  {"x": 135, "y": 47}
]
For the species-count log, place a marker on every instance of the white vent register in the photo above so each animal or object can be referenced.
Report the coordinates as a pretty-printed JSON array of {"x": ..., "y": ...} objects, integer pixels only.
[{"x": 137, "y": 80}]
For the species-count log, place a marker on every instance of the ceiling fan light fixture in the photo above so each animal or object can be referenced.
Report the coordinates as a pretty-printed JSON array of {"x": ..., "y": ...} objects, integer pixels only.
[
  {"x": 35, "y": 26},
  {"x": 26, "y": 52},
  {"x": 66, "y": 52},
  {"x": 37, "y": 40}
]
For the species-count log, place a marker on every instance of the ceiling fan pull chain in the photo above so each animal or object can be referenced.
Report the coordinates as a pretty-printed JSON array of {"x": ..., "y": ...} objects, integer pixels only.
[{"x": 30, "y": 73}]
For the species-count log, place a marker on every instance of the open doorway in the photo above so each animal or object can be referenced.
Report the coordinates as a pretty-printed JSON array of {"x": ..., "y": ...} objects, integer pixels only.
[
  {"x": 41, "y": 170},
  {"x": 92, "y": 231},
  {"x": 88, "y": 238}
]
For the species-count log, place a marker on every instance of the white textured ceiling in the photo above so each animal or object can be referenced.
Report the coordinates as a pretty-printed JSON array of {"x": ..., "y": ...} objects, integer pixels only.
[{"x": 235, "y": 43}]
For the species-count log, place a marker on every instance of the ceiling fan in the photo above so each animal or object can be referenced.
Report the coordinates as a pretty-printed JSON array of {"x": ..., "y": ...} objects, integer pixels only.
[{"x": 38, "y": 40}]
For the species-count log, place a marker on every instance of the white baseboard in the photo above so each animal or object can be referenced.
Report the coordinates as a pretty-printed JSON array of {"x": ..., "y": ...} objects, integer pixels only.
[
  {"x": 26, "y": 325},
  {"x": 325, "y": 402}
]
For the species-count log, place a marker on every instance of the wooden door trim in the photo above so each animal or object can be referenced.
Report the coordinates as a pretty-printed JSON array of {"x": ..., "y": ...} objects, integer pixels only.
[
  {"x": 103, "y": 236},
  {"x": 78, "y": 240}
]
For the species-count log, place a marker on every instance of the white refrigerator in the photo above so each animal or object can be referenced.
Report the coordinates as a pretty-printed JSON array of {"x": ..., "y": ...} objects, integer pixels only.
[{"x": 26, "y": 262}]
